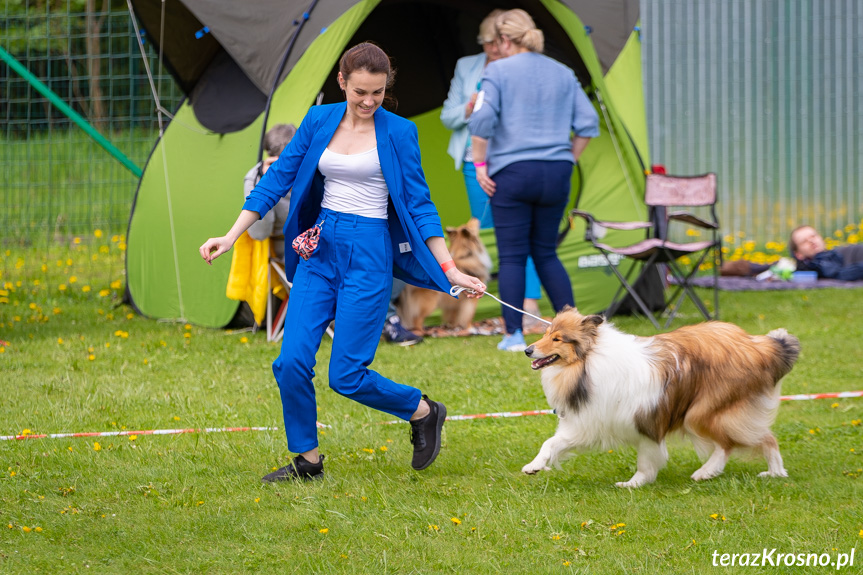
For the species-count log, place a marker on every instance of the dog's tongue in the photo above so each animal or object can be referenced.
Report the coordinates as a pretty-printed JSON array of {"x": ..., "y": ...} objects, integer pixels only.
[{"x": 542, "y": 362}]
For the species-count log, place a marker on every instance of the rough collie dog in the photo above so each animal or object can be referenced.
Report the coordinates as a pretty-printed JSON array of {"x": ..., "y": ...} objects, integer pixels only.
[
  {"x": 470, "y": 256},
  {"x": 713, "y": 381}
]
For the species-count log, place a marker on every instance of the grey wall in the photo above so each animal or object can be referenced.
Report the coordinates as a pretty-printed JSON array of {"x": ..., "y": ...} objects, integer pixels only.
[{"x": 767, "y": 93}]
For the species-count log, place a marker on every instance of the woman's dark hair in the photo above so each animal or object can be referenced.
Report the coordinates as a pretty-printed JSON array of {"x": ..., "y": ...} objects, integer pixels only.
[{"x": 374, "y": 60}]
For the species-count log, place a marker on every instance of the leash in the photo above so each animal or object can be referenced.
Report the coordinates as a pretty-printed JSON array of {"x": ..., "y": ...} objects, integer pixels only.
[{"x": 455, "y": 290}]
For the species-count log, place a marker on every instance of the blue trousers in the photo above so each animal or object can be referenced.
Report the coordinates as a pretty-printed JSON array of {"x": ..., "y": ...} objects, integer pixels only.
[
  {"x": 348, "y": 278},
  {"x": 480, "y": 208},
  {"x": 528, "y": 205}
]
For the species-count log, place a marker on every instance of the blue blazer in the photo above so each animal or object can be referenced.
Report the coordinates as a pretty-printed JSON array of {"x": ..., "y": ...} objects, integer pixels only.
[
  {"x": 468, "y": 72},
  {"x": 413, "y": 218}
]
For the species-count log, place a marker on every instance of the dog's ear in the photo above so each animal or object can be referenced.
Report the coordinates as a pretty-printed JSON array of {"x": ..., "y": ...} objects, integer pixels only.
[
  {"x": 594, "y": 320},
  {"x": 473, "y": 225}
]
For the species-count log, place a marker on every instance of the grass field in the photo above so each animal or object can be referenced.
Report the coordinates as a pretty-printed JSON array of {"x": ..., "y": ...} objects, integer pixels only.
[{"x": 194, "y": 503}]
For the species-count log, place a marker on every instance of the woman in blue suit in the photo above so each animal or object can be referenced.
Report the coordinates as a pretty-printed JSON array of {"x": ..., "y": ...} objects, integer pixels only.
[{"x": 355, "y": 172}]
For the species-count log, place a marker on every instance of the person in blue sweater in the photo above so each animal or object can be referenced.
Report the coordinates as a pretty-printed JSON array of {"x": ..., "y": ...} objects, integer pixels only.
[
  {"x": 356, "y": 176},
  {"x": 841, "y": 263},
  {"x": 530, "y": 124}
]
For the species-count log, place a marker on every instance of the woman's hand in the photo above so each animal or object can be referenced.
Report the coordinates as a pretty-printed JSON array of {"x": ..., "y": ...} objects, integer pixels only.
[
  {"x": 485, "y": 182},
  {"x": 458, "y": 278},
  {"x": 214, "y": 247}
]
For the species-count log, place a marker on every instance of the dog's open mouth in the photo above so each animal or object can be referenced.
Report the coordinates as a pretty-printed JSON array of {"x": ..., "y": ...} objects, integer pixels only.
[{"x": 544, "y": 361}]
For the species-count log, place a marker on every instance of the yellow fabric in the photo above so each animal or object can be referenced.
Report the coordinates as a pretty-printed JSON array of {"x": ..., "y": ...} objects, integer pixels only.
[{"x": 247, "y": 280}]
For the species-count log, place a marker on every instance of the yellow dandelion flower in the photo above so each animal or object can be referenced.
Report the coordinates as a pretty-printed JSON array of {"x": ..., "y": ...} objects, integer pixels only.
[
  {"x": 566, "y": 563},
  {"x": 176, "y": 418},
  {"x": 200, "y": 503},
  {"x": 434, "y": 527},
  {"x": 473, "y": 529},
  {"x": 455, "y": 520},
  {"x": 132, "y": 437},
  {"x": 367, "y": 450},
  {"x": 187, "y": 335},
  {"x": 10, "y": 526},
  {"x": 57, "y": 311},
  {"x": 26, "y": 529},
  {"x": 38, "y": 530},
  {"x": 130, "y": 315},
  {"x": 116, "y": 284},
  {"x": 26, "y": 432},
  {"x": 555, "y": 537},
  {"x": 621, "y": 532},
  {"x": 257, "y": 499},
  {"x": 73, "y": 279},
  {"x": 91, "y": 357},
  {"x": 32, "y": 305},
  {"x": 383, "y": 448},
  {"x": 714, "y": 516},
  {"x": 85, "y": 289},
  {"x": 146, "y": 361},
  {"x": 12, "y": 474},
  {"x": 324, "y": 531},
  {"x": 70, "y": 448},
  {"x": 60, "y": 340},
  {"x": 188, "y": 326},
  {"x": 104, "y": 292},
  {"x": 97, "y": 233},
  {"x": 244, "y": 340},
  {"x": 811, "y": 432},
  {"x": 96, "y": 446},
  {"x": 107, "y": 344}
]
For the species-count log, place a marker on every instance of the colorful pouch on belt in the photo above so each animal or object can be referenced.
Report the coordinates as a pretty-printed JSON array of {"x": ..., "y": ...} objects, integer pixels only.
[{"x": 306, "y": 243}]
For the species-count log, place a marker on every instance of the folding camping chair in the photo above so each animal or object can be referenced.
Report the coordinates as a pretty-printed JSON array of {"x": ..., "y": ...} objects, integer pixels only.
[
  {"x": 662, "y": 195},
  {"x": 276, "y": 318}
]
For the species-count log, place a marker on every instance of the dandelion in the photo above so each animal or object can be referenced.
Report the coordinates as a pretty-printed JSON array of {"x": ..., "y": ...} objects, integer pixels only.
[
  {"x": 323, "y": 531},
  {"x": 367, "y": 450},
  {"x": 97, "y": 233},
  {"x": 32, "y": 305},
  {"x": 146, "y": 361},
  {"x": 257, "y": 499},
  {"x": 130, "y": 315},
  {"x": 455, "y": 520},
  {"x": 116, "y": 284},
  {"x": 12, "y": 474},
  {"x": 187, "y": 335},
  {"x": 73, "y": 279},
  {"x": 834, "y": 405},
  {"x": 70, "y": 448},
  {"x": 566, "y": 563},
  {"x": 60, "y": 340},
  {"x": 38, "y": 530},
  {"x": 244, "y": 340},
  {"x": 188, "y": 326},
  {"x": 91, "y": 357},
  {"x": 85, "y": 289},
  {"x": 383, "y": 448},
  {"x": 200, "y": 503},
  {"x": 26, "y": 529},
  {"x": 133, "y": 437},
  {"x": 57, "y": 311},
  {"x": 176, "y": 418},
  {"x": 104, "y": 292},
  {"x": 434, "y": 528},
  {"x": 555, "y": 537}
]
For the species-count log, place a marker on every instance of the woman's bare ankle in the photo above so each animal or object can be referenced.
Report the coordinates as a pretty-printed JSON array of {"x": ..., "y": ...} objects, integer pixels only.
[{"x": 422, "y": 411}]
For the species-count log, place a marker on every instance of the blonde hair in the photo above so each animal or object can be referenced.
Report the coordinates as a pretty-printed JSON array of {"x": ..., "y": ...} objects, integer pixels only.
[
  {"x": 518, "y": 26},
  {"x": 487, "y": 29}
]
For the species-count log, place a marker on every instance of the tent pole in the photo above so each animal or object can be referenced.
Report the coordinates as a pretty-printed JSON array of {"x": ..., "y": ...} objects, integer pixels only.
[
  {"x": 37, "y": 84},
  {"x": 299, "y": 26}
]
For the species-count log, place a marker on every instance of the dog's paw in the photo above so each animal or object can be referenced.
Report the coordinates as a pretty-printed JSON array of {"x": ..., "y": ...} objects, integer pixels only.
[
  {"x": 532, "y": 468},
  {"x": 780, "y": 473},
  {"x": 631, "y": 484},
  {"x": 702, "y": 475}
]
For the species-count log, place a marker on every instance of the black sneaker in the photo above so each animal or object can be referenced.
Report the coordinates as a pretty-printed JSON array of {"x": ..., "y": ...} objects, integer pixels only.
[
  {"x": 395, "y": 332},
  {"x": 298, "y": 470},
  {"x": 425, "y": 434}
]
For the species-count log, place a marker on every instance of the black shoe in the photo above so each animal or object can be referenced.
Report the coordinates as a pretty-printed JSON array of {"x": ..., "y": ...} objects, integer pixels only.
[
  {"x": 425, "y": 434},
  {"x": 298, "y": 470},
  {"x": 395, "y": 332}
]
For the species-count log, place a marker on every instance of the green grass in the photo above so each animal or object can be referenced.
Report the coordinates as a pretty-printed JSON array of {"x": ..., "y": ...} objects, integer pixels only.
[{"x": 194, "y": 503}]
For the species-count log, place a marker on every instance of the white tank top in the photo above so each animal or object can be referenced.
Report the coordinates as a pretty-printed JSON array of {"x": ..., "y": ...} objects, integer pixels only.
[{"x": 354, "y": 184}]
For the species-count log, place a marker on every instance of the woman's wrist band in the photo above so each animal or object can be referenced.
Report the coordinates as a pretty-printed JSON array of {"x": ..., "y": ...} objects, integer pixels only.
[
  {"x": 447, "y": 266},
  {"x": 478, "y": 164}
]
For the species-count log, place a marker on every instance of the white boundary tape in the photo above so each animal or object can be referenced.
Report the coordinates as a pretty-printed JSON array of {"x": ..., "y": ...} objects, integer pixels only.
[{"x": 500, "y": 414}]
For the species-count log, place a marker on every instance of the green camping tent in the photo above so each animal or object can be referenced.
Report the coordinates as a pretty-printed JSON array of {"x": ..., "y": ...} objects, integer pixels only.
[{"x": 230, "y": 59}]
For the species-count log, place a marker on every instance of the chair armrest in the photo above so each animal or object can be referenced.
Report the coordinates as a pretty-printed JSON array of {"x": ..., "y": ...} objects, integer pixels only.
[
  {"x": 624, "y": 226},
  {"x": 690, "y": 218}
]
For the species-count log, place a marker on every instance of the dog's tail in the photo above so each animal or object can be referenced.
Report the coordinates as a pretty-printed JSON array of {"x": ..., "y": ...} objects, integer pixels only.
[{"x": 788, "y": 350}]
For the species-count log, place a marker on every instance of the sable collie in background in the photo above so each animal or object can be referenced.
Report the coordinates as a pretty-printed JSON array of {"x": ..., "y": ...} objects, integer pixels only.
[
  {"x": 713, "y": 381},
  {"x": 470, "y": 256}
]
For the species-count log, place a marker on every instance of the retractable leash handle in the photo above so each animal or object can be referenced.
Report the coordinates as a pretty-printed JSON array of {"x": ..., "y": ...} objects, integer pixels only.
[{"x": 455, "y": 290}]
